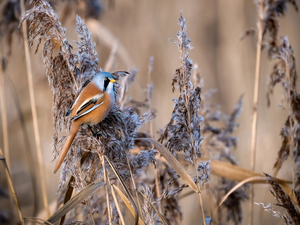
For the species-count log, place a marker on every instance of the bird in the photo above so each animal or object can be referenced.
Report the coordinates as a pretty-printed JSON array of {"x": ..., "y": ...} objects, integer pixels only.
[{"x": 91, "y": 106}]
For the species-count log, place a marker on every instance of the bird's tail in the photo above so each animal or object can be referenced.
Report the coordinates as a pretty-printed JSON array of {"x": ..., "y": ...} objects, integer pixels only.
[{"x": 74, "y": 130}]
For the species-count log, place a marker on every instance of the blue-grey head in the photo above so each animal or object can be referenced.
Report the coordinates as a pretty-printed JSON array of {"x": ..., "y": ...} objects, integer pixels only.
[{"x": 105, "y": 82}]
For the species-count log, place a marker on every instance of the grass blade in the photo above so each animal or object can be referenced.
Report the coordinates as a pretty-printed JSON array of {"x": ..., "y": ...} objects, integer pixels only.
[
  {"x": 37, "y": 221},
  {"x": 70, "y": 188},
  {"x": 136, "y": 212},
  {"x": 163, "y": 219},
  {"x": 106, "y": 190},
  {"x": 83, "y": 194},
  {"x": 233, "y": 172},
  {"x": 116, "y": 201},
  {"x": 128, "y": 204},
  {"x": 173, "y": 162},
  {"x": 11, "y": 186},
  {"x": 260, "y": 179}
]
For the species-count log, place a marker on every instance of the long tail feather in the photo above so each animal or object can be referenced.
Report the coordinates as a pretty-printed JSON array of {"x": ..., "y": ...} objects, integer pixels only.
[{"x": 74, "y": 130}]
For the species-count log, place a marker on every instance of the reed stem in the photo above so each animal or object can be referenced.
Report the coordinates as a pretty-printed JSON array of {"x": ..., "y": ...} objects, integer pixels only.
[
  {"x": 106, "y": 191},
  {"x": 12, "y": 186},
  {"x": 34, "y": 114},
  {"x": 3, "y": 114},
  {"x": 254, "y": 114}
]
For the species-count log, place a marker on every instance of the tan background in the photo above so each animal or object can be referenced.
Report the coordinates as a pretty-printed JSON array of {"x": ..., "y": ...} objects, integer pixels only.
[{"x": 143, "y": 27}]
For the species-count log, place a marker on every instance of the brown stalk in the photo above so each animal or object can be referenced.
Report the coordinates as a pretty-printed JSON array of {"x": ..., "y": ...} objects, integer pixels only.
[
  {"x": 187, "y": 100},
  {"x": 135, "y": 190},
  {"x": 70, "y": 188},
  {"x": 116, "y": 201},
  {"x": 34, "y": 114},
  {"x": 3, "y": 115},
  {"x": 100, "y": 32},
  {"x": 133, "y": 208},
  {"x": 254, "y": 114},
  {"x": 11, "y": 186},
  {"x": 110, "y": 61},
  {"x": 106, "y": 190},
  {"x": 89, "y": 208},
  {"x": 149, "y": 97},
  {"x": 29, "y": 156}
]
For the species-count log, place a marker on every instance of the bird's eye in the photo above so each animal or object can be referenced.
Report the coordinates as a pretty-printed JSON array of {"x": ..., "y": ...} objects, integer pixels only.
[{"x": 105, "y": 78}]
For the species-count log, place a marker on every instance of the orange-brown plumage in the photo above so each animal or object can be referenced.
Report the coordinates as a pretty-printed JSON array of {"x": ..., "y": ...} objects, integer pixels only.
[{"x": 91, "y": 107}]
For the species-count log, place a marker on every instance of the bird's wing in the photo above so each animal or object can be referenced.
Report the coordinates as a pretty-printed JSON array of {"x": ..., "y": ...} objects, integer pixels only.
[
  {"x": 70, "y": 110},
  {"x": 81, "y": 111}
]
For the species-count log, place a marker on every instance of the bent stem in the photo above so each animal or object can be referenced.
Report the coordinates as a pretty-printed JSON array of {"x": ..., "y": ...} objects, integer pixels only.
[
  {"x": 34, "y": 114},
  {"x": 27, "y": 149},
  {"x": 254, "y": 114}
]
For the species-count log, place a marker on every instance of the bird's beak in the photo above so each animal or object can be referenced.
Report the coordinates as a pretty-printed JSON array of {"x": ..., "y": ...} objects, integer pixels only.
[{"x": 112, "y": 80}]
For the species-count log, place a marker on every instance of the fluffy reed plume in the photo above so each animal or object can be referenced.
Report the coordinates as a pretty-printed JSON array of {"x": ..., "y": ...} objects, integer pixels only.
[
  {"x": 192, "y": 117},
  {"x": 275, "y": 213},
  {"x": 150, "y": 217},
  {"x": 268, "y": 13},
  {"x": 10, "y": 15},
  {"x": 232, "y": 203},
  {"x": 286, "y": 133},
  {"x": 284, "y": 72},
  {"x": 68, "y": 73},
  {"x": 283, "y": 200},
  {"x": 219, "y": 144},
  {"x": 183, "y": 132}
]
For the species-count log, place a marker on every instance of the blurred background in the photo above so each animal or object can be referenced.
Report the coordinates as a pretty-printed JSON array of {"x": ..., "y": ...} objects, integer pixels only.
[{"x": 137, "y": 30}]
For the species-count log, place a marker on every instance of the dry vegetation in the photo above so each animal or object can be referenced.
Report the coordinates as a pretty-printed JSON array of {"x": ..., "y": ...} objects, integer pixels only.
[{"x": 118, "y": 174}]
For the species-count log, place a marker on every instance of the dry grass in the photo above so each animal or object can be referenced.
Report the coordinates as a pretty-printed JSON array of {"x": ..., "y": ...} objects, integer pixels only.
[{"x": 195, "y": 149}]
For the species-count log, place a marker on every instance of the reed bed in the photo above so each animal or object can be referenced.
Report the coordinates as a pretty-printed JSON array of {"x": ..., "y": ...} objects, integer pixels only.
[{"x": 116, "y": 172}]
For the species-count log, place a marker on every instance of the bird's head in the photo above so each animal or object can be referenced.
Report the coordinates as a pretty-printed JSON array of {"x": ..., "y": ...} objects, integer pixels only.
[{"x": 104, "y": 81}]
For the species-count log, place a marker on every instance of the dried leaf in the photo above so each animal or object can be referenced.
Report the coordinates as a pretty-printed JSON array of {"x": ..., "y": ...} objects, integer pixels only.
[
  {"x": 127, "y": 203},
  {"x": 83, "y": 194},
  {"x": 260, "y": 179},
  {"x": 173, "y": 162},
  {"x": 37, "y": 220},
  {"x": 136, "y": 212}
]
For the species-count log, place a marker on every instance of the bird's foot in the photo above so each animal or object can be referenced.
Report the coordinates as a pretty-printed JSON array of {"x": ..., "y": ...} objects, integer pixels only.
[{"x": 95, "y": 134}]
